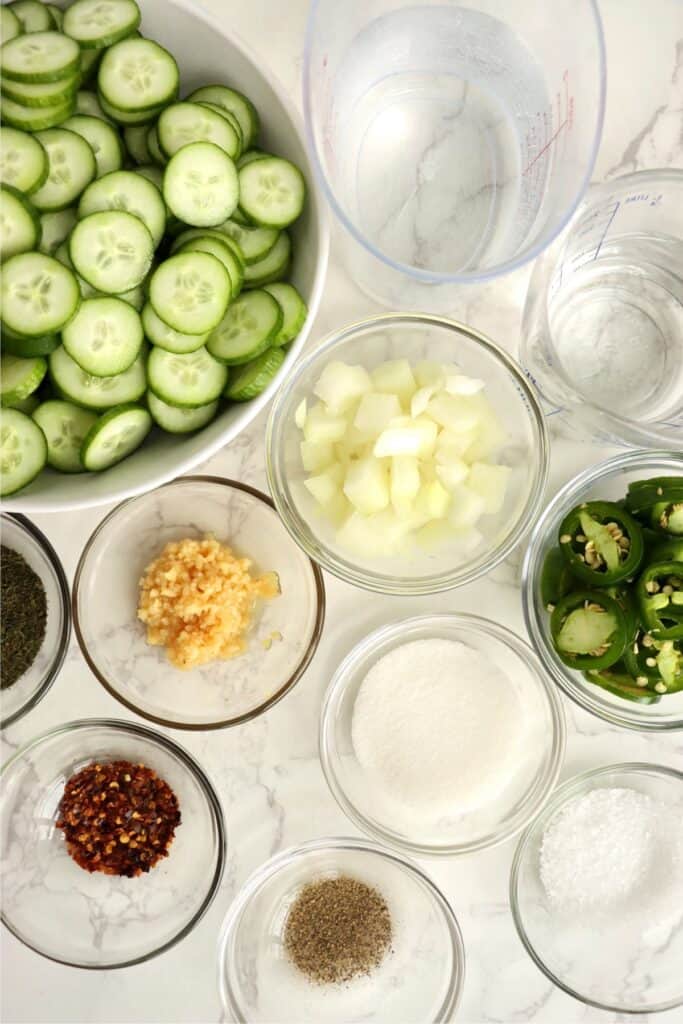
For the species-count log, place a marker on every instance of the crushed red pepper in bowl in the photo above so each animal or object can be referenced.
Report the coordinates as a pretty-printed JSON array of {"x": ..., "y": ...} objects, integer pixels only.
[{"x": 118, "y": 818}]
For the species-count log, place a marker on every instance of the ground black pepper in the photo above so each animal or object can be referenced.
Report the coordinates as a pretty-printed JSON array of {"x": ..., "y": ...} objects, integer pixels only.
[
  {"x": 337, "y": 929},
  {"x": 23, "y": 617},
  {"x": 118, "y": 818}
]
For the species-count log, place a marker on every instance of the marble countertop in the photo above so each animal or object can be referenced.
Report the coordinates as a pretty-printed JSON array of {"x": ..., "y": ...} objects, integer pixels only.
[{"x": 267, "y": 772}]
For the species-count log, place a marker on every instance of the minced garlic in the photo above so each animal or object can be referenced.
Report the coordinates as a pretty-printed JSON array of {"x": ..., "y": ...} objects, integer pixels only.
[{"x": 197, "y": 600}]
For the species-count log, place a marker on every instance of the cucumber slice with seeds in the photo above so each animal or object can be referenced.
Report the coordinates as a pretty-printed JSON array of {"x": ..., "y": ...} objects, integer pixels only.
[
  {"x": 128, "y": 191},
  {"x": 120, "y": 116},
  {"x": 93, "y": 392},
  {"x": 56, "y": 227},
  {"x": 105, "y": 336},
  {"x": 20, "y": 229},
  {"x": 23, "y": 450},
  {"x": 40, "y": 94},
  {"x": 272, "y": 191},
  {"x": 135, "y": 138},
  {"x": 71, "y": 166},
  {"x": 272, "y": 267},
  {"x": 254, "y": 377},
  {"x": 87, "y": 103},
  {"x": 115, "y": 435},
  {"x": 10, "y": 26},
  {"x": 102, "y": 138},
  {"x": 100, "y": 23},
  {"x": 190, "y": 292},
  {"x": 32, "y": 15},
  {"x": 183, "y": 123},
  {"x": 228, "y": 116},
  {"x": 175, "y": 420},
  {"x": 165, "y": 337},
  {"x": 23, "y": 161},
  {"x": 65, "y": 426},
  {"x": 215, "y": 245},
  {"x": 136, "y": 74},
  {"x": 190, "y": 380},
  {"x": 34, "y": 119},
  {"x": 200, "y": 185},
  {"x": 238, "y": 104},
  {"x": 248, "y": 328},
  {"x": 20, "y": 378},
  {"x": 254, "y": 243},
  {"x": 294, "y": 311},
  {"x": 40, "y": 57},
  {"x": 111, "y": 250},
  {"x": 39, "y": 295}
]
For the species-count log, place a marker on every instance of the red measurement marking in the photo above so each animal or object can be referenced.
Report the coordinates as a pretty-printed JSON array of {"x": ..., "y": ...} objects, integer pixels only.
[{"x": 566, "y": 122}]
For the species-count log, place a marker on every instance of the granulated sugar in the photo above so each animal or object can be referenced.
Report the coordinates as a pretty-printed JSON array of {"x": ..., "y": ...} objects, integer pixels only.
[
  {"x": 438, "y": 726},
  {"x": 608, "y": 848}
]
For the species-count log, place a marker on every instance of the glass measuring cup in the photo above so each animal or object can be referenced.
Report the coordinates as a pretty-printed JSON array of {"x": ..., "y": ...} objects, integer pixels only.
[
  {"x": 452, "y": 139},
  {"x": 603, "y": 322}
]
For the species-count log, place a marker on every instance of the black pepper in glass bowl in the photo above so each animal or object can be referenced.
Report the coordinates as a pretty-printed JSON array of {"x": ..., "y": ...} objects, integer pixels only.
[{"x": 35, "y": 616}]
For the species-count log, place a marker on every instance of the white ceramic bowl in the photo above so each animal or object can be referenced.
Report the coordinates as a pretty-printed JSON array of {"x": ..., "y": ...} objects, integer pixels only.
[{"x": 205, "y": 54}]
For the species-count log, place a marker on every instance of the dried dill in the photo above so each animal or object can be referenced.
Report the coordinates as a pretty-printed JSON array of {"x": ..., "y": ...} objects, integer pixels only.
[{"x": 23, "y": 616}]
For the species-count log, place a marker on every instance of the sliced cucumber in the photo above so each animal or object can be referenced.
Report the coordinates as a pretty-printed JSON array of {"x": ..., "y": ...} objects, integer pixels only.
[
  {"x": 34, "y": 119},
  {"x": 87, "y": 103},
  {"x": 99, "y": 23},
  {"x": 62, "y": 254},
  {"x": 152, "y": 140},
  {"x": 112, "y": 250},
  {"x": 184, "y": 123},
  {"x": 102, "y": 138},
  {"x": 57, "y": 16},
  {"x": 154, "y": 174},
  {"x": 56, "y": 227},
  {"x": 248, "y": 328},
  {"x": 41, "y": 94},
  {"x": 92, "y": 392},
  {"x": 251, "y": 379},
  {"x": 39, "y": 295},
  {"x": 250, "y": 156},
  {"x": 128, "y": 191},
  {"x": 71, "y": 166},
  {"x": 294, "y": 311},
  {"x": 23, "y": 161},
  {"x": 33, "y": 16},
  {"x": 200, "y": 185},
  {"x": 27, "y": 405},
  {"x": 65, "y": 425},
  {"x": 20, "y": 378},
  {"x": 10, "y": 26},
  {"x": 215, "y": 245},
  {"x": 272, "y": 267},
  {"x": 90, "y": 61},
  {"x": 23, "y": 450},
  {"x": 20, "y": 229},
  {"x": 165, "y": 337},
  {"x": 114, "y": 436},
  {"x": 27, "y": 348},
  {"x": 137, "y": 74},
  {"x": 105, "y": 336},
  {"x": 45, "y": 57},
  {"x": 228, "y": 116},
  {"x": 243, "y": 109},
  {"x": 175, "y": 420},
  {"x": 254, "y": 243},
  {"x": 190, "y": 380},
  {"x": 272, "y": 191},
  {"x": 120, "y": 116},
  {"x": 135, "y": 138},
  {"x": 190, "y": 292},
  {"x": 135, "y": 297}
]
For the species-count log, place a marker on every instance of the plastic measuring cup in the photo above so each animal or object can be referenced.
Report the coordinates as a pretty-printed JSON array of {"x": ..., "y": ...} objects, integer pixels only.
[
  {"x": 453, "y": 140},
  {"x": 603, "y": 322}
]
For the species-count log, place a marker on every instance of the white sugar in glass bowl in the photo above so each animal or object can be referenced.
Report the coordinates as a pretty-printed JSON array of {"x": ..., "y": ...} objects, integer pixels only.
[{"x": 206, "y": 54}]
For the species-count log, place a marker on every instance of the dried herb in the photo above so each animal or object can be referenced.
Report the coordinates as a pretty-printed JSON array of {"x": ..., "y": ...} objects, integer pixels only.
[
  {"x": 23, "y": 617},
  {"x": 118, "y": 818},
  {"x": 337, "y": 929}
]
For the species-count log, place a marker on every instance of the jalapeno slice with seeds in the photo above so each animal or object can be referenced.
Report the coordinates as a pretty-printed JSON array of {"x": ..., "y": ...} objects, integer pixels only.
[
  {"x": 589, "y": 630},
  {"x": 660, "y": 599},
  {"x": 643, "y": 494},
  {"x": 618, "y": 682},
  {"x": 601, "y": 543},
  {"x": 667, "y": 517}
]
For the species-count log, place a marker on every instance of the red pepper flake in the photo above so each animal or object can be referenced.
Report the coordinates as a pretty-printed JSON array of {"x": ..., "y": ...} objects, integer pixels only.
[{"x": 118, "y": 818}]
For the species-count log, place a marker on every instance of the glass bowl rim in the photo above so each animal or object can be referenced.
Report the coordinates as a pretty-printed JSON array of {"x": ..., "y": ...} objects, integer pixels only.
[
  {"x": 64, "y": 594},
  {"x": 627, "y": 460},
  {"x": 247, "y": 716},
  {"x": 383, "y": 583},
  {"x": 271, "y": 867},
  {"x": 571, "y": 787},
  {"x": 192, "y": 765},
  {"x": 339, "y": 682}
]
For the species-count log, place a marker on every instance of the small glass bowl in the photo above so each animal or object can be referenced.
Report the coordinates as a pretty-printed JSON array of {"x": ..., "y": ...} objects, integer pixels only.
[
  {"x": 609, "y": 962},
  {"x": 420, "y": 980},
  {"x": 541, "y": 748},
  {"x": 608, "y": 480},
  {"x": 22, "y": 536},
  {"x": 413, "y": 337},
  {"x": 284, "y": 633},
  {"x": 94, "y": 920}
]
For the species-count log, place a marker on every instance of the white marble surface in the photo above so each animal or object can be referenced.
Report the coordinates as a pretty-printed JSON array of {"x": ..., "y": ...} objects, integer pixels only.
[{"x": 267, "y": 772}]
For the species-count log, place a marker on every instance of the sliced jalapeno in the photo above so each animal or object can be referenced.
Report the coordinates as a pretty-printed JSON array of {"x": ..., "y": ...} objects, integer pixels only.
[
  {"x": 589, "y": 630},
  {"x": 617, "y": 681},
  {"x": 670, "y": 550},
  {"x": 557, "y": 579},
  {"x": 601, "y": 543},
  {"x": 660, "y": 599},
  {"x": 643, "y": 494},
  {"x": 667, "y": 517},
  {"x": 655, "y": 664}
]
